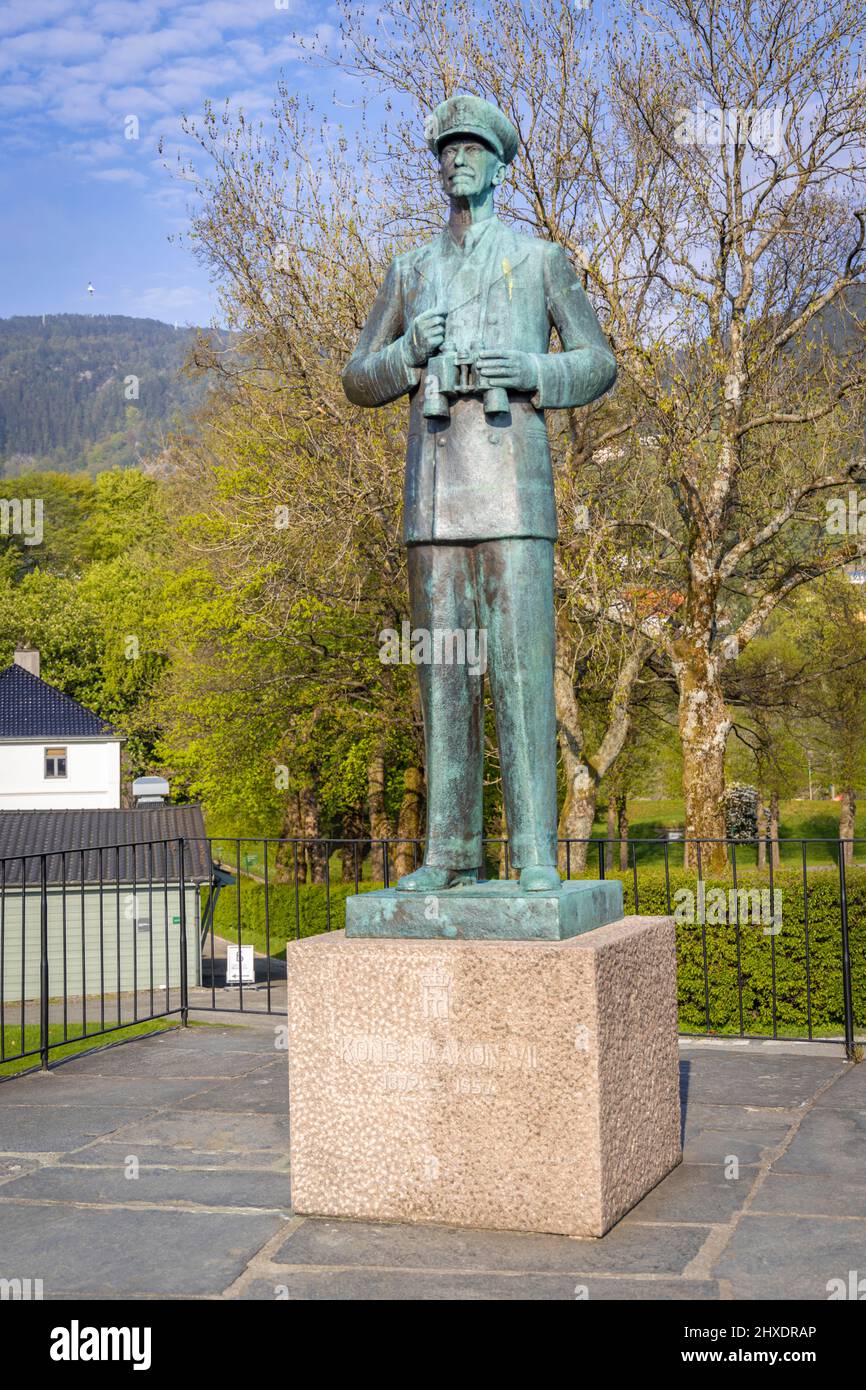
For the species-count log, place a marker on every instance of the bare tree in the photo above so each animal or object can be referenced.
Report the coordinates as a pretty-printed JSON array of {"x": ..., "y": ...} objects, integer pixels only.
[{"x": 702, "y": 160}]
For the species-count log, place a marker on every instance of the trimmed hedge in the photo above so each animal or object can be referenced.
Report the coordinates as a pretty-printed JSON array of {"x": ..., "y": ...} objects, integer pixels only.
[
  {"x": 758, "y": 958},
  {"x": 752, "y": 954},
  {"x": 311, "y": 917}
]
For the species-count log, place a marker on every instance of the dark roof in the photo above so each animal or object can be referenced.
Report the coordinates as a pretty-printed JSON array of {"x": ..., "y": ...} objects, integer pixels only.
[
  {"x": 131, "y": 841},
  {"x": 31, "y": 708}
]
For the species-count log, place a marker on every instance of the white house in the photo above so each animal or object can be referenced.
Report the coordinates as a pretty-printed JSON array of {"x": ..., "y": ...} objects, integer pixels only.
[{"x": 54, "y": 753}]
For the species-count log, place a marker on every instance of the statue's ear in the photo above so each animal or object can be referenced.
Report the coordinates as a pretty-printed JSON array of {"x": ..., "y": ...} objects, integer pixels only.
[{"x": 499, "y": 175}]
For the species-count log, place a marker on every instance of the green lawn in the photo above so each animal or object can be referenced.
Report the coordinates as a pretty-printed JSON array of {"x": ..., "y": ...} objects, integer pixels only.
[
  {"x": 798, "y": 820},
  {"x": 811, "y": 820},
  {"x": 78, "y": 1042}
]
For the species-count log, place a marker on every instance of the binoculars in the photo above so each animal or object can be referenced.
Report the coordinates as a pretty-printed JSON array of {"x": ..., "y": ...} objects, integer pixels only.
[{"x": 455, "y": 374}]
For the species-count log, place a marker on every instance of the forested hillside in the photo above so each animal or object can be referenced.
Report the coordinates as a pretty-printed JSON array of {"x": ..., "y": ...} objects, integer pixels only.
[{"x": 80, "y": 391}]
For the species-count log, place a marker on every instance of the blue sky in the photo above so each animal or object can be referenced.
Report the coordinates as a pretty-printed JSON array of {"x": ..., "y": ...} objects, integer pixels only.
[{"x": 80, "y": 202}]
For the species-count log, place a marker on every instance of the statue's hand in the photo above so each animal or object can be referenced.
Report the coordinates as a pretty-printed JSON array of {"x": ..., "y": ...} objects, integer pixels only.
[
  {"x": 511, "y": 369},
  {"x": 426, "y": 336}
]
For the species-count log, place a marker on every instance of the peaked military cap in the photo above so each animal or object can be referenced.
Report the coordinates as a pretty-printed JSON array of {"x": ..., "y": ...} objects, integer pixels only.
[{"x": 469, "y": 115}]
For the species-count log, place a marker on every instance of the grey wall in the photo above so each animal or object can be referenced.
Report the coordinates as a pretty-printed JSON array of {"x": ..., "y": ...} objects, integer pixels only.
[{"x": 142, "y": 953}]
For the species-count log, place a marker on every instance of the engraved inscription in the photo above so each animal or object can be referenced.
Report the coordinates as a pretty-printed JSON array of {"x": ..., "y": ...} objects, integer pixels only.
[
  {"x": 423, "y": 1050},
  {"x": 436, "y": 986},
  {"x": 420, "y": 1064}
]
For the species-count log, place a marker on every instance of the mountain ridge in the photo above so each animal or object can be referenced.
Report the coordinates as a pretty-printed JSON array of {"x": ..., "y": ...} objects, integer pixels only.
[{"x": 86, "y": 392}]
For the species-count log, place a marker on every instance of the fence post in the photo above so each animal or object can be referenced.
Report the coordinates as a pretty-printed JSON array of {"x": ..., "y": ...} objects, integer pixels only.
[
  {"x": 184, "y": 973},
  {"x": 847, "y": 995},
  {"x": 43, "y": 961}
]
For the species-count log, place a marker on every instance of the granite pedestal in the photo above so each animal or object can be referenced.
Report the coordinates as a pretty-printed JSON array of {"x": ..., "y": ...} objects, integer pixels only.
[{"x": 516, "y": 1084}]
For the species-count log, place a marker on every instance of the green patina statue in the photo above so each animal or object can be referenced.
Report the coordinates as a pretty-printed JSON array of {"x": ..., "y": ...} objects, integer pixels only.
[{"x": 463, "y": 326}]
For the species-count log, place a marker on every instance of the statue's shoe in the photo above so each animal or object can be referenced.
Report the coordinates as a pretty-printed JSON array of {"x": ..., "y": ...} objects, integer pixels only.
[
  {"x": 540, "y": 878},
  {"x": 431, "y": 879}
]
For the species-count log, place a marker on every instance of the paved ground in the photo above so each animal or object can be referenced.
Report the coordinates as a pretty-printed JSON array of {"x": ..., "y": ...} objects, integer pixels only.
[{"x": 203, "y": 1113}]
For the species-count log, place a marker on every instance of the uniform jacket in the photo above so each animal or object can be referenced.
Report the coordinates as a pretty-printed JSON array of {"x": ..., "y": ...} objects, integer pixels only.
[{"x": 475, "y": 477}]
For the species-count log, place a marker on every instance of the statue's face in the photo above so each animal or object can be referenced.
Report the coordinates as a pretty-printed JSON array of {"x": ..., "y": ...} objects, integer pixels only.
[{"x": 468, "y": 167}]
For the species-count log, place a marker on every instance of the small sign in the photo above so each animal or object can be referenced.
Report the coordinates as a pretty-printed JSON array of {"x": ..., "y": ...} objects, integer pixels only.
[
  {"x": 175, "y": 921},
  {"x": 246, "y": 974}
]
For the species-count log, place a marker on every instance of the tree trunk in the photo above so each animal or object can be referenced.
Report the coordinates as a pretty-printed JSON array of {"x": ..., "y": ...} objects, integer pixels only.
[
  {"x": 847, "y": 812},
  {"x": 578, "y": 815},
  {"x": 584, "y": 773},
  {"x": 581, "y": 782},
  {"x": 380, "y": 826},
  {"x": 506, "y": 868},
  {"x": 284, "y": 865},
  {"x": 762, "y": 834},
  {"x": 774, "y": 829},
  {"x": 704, "y": 724},
  {"x": 622, "y": 829},
  {"x": 352, "y": 853},
  {"x": 347, "y": 864},
  {"x": 314, "y": 849},
  {"x": 611, "y": 831},
  {"x": 409, "y": 822}
]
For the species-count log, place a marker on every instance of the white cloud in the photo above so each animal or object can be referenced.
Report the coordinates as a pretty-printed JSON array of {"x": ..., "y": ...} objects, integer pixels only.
[
  {"x": 80, "y": 104},
  {"x": 165, "y": 301},
  {"x": 18, "y": 15},
  {"x": 18, "y": 96},
  {"x": 61, "y": 44},
  {"x": 124, "y": 16},
  {"x": 119, "y": 175}
]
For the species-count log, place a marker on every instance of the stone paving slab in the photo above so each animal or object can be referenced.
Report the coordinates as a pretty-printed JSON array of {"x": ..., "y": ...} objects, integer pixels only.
[
  {"x": 83, "y": 1251},
  {"x": 407, "y": 1286},
  {"x": 634, "y": 1248},
  {"x": 791, "y": 1257},
  {"x": 714, "y": 1147},
  {"x": 849, "y": 1093},
  {"x": 217, "y": 1131},
  {"x": 205, "y": 1111},
  {"x": 691, "y": 1193},
  {"x": 161, "y": 1059},
  {"x": 48, "y": 1129},
  {"x": 60, "y": 1086},
  {"x": 698, "y": 1117},
  {"x": 154, "y": 1186},
  {"x": 763, "y": 1080},
  {"x": 828, "y": 1141},
  {"x": 813, "y": 1196},
  {"x": 110, "y": 1154},
  {"x": 264, "y": 1091}
]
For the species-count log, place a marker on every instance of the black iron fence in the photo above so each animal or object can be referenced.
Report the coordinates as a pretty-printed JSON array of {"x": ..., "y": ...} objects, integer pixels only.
[{"x": 120, "y": 939}]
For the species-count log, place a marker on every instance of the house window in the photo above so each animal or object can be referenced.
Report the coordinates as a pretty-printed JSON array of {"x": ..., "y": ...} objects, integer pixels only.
[{"x": 55, "y": 762}]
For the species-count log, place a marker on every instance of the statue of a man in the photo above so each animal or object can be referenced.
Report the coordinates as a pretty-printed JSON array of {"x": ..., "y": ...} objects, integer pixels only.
[{"x": 463, "y": 326}]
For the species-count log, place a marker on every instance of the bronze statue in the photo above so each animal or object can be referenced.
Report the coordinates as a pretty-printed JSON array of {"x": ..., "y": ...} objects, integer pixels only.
[{"x": 463, "y": 326}]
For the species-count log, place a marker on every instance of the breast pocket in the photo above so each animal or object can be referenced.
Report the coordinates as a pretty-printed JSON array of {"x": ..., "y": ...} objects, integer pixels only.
[{"x": 498, "y": 318}]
